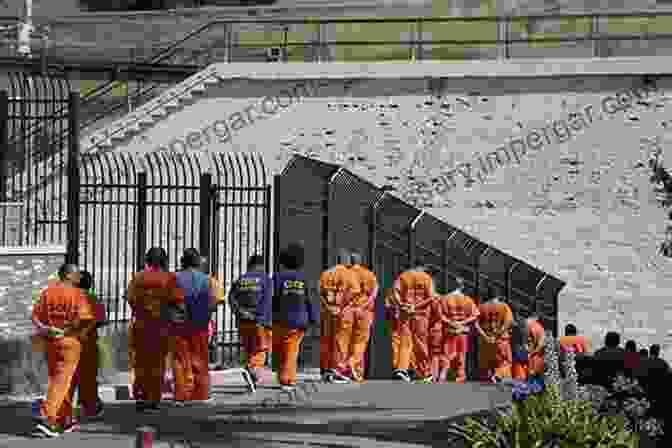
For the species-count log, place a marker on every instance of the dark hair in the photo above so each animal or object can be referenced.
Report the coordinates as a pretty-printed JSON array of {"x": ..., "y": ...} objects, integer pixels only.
[
  {"x": 631, "y": 346},
  {"x": 157, "y": 256},
  {"x": 644, "y": 352},
  {"x": 655, "y": 350},
  {"x": 343, "y": 257},
  {"x": 67, "y": 268},
  {"x": 85, "y": 280},
  {"x": 255, "y": 260},
  {"x": 612, "y": 339},
  {"x": 570, "y": 330},
  {"x": 292, "y": 256},
  {"x": 356, "y": 258},
  {"x": 190, "y": 258}
]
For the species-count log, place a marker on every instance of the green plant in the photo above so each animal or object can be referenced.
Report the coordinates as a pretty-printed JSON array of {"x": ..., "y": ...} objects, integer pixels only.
[{"x": 544, "y": 421}]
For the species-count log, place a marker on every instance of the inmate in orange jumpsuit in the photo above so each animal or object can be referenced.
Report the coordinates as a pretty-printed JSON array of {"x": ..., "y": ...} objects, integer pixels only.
[
  {"x": 87, "y": 372},
  {"x": 192, "y": 378},
  {"x": 576, "y": 344},
  {"x": 66, "y": 308},
  {"x": 147, "y": 292},
  {"x": 415, "y": 288},
  {"x": 449, "y": 334},
  {"x": 495, "y": 357},
  {"x": 535, "y": 347},
  {"x": 337, "y": 287},
  {"x": 355, "y": 322}
]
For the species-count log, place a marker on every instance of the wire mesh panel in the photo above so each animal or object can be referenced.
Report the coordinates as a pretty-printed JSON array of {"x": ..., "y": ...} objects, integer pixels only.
[
  {"x": 302, "y": 209},
  {"x": 350, "y": 211},
  {"x": 35, "y": 109},
  {"x": 108, "y": 222},
  {"x": 241, "y": 228}
]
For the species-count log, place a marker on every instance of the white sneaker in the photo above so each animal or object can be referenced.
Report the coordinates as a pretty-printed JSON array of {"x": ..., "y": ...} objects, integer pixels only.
[
  {"x": 337, "y": 378},
  {"x": 249, "y": 379},
  {"x": 288, "y": 388},
  {"x": 402, "y": 375}
]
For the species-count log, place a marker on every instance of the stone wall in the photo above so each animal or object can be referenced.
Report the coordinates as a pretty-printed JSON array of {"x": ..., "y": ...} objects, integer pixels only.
[{"x": 23, "y": 270}]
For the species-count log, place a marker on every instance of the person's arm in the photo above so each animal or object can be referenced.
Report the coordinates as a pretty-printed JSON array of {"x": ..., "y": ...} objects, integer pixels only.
[
  {"x": 313, "y": 309},
  {"x": 232, "y": 299},
  {"x": 264, "y": 310}
]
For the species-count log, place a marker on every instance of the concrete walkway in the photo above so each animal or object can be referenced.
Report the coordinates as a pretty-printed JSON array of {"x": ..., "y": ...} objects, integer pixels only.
[{"x": 383, "y": 411}]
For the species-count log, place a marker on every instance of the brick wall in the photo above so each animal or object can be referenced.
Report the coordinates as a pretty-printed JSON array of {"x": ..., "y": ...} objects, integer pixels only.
[{"x": 22, "y": 272}]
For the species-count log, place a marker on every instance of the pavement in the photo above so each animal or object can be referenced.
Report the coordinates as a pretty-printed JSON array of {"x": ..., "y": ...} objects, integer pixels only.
[{"x": 374, "y": 413}]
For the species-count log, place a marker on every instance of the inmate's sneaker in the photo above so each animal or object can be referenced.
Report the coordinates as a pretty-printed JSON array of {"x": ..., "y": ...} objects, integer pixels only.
[
  {"x": 250, "y": 379},
  {"x": 70, "y": 427},
  {"x": 426, "y": 380},
  {"x": 288, "y": 388},
  {"x": 338, "y": 378},
  {"x": 402, "y": 375},
  {"x": 46, "y": 430}
]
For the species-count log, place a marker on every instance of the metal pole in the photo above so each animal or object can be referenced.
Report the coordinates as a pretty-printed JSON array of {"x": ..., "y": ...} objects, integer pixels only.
[
  {"x": 477, "y": 274},
  {"x": 536, "y": 295},
  {"x": 327, "y": 237},
  {"x": 411, "y": 239},
  {"x": 509, "y": 273},
  {"x": 277, "y": 218},
  {"x": 205, "y": 231},
  {"x": 268, "y": 223},
  {"x": 445, "y": 257},
  {"x": 73, "y": 179},
  {"x": 141, "y": 220},
  {"x": 4, "y": 144}
]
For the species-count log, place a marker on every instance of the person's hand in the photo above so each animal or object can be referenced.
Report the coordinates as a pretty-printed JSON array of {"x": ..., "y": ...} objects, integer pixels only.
[{"x": 55, "y": 332}]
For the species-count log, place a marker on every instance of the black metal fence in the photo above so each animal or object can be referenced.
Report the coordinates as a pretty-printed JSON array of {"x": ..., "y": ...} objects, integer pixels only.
[
  {"x": 34, "y": 110},
  {"x": 219, "y": 204},
  {"x": 327, "y": 207}
]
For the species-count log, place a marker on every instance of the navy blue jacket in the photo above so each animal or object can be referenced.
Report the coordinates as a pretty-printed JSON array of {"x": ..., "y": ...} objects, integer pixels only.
[
  {"x": 291, "y": 301},
  {"x": 251, "y": 298}
]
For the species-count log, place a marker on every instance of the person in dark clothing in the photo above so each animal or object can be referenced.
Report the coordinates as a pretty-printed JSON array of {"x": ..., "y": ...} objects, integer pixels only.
[
  {"x": 653, "y": 375},
  {"x": 644, "y": 353},
  {"x": 631, "y": 358},
  {"x": 251, "y": 301},
  {"x": 609, "y": 361},
  {"x": 293, "y": 313}
]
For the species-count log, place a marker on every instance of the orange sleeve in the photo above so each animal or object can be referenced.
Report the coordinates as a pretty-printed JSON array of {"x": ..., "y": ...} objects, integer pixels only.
[
  {"x": 38, "y": 313},
  {"x": 85, "y": 308},
  {"x": 132, "y": 294}
]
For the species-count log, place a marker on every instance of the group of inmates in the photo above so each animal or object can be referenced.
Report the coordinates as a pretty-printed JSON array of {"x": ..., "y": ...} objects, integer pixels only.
[{"x": 171, "y": 315}]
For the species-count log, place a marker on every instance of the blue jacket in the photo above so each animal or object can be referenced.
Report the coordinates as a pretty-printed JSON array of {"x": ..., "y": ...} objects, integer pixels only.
[
  {"x": 251, "y": 298},
  {"x": 291, "y": 302},
  {"x": 196, "y": 296}
]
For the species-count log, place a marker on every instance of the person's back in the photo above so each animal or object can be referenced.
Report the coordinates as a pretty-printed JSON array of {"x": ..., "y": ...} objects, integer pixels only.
[
  {"x": 60, "y": 307},
  {"x": 249, "y": 296},
  {"x": 149, "y": 291},
  {"x": 197, "y": 297},
  {"x": 609, "y": 361}
]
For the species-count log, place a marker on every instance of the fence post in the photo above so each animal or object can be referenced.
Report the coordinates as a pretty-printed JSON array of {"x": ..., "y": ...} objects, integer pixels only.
[
  {"x": 141, "y": 220},
  {"x": 509, "y": 274},
  {"x": 4, "y": 144},
  {"x": 374, "y": 365},
  {"x": 277, "y": 211},
  {"x": 411, "y": 246},
  {"x": 205, "y": 195},
  {"x": 326, "y": 232},
  {"x": 72, "y": 255},
  {"x": 445, "y": 260},
  {"x": 267, "y": 238}
]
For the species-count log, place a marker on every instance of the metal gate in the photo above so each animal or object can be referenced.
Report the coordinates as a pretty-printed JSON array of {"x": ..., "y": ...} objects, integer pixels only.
[
  {"x": 219, "y": 204},
  {"x": 34, "y": 109}
]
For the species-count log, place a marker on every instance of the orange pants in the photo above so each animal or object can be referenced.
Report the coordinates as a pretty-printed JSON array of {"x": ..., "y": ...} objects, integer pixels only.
[
  {"x": 328, "y": 358},
  {"x": 452, "y": 356},
  {"x": 402, "y": 345},
  {"x": 63, "y": 356},
  {"x": 423, "y": 356},
  {"x": 87, "y": 375},
  {"x": 353, "y": 330},
  {"x": 151, "y": 345},
  {"x": 192, "y": 378},
  {"x": 520, "y": 370},
  {"x": 495, "y": 358},
  {"x": 286, "y": 345},
  {"x": 256, "y": 341}
]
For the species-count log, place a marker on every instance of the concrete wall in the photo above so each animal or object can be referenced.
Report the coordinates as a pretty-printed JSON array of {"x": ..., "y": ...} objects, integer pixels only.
[
  {"x": 24, "y": 270},
  {"x": 580, "y": 207}
]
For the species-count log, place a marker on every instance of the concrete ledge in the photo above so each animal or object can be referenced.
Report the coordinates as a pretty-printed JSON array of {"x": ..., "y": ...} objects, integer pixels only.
[{"x": 511, "y": 68}]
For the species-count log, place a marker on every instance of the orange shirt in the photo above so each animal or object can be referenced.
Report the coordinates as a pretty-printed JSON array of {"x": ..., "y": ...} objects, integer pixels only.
[
  {"x": 578, "y": 344},
  {"x": 416, "y": 287},
  {"x": 368, "y": 284},
  {"x": 147, "y": 291},
  {"x": 494, "y": 314},
  {"x": 338, "y": 285},
  {"x": 64, "y": 307},
  {"x": 467, "y": 308}
]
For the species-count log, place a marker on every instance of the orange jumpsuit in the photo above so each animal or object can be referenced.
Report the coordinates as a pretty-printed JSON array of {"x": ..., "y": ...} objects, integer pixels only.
[
  {"x": 66, "y": 308},
  {"x": 415, "y": 288},
  {"x": 337, "y": 287},
  {"x": 147, "y": 292},
  {"x": 356, "y": 320},
  {"x": 577, "y": 344},
  {"x": 449, "y": 333},
  {"x": 535, "y": 347},
  {"x": 495, "y": 358}
]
